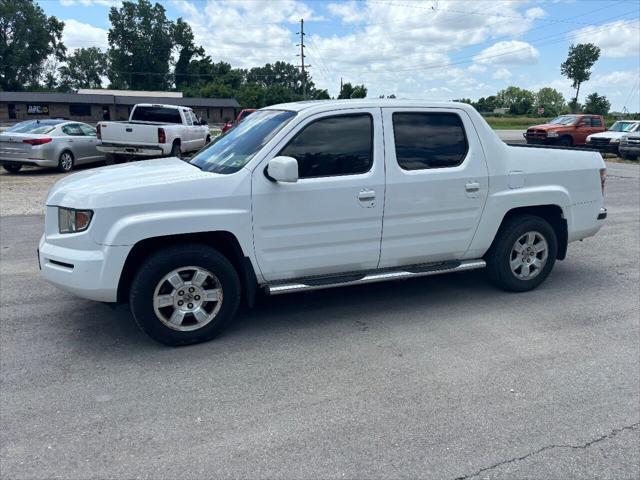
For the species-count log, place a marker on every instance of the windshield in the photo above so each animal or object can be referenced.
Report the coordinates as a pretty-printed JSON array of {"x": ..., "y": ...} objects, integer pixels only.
[
  {"x": 563, "y": 120},
  {"x": 623, "y": 126},
  {"x": 32, "y": 125},
  {"x": 234, "y": 149}
]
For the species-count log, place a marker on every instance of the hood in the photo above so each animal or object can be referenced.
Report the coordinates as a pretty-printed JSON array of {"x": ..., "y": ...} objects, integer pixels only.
[
  {"x": 608, "y": 134},
  {"x": 102, "y": 186},
  {"x": 548, "y": 126}
]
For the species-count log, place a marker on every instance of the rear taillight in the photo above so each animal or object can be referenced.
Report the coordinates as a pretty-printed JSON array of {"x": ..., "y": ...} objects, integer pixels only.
[
  {"x": 162, "y": 137},
  {"x": 37, "y": 141},
  {"x": 98, "y": 132},
  {"x": 603, "y": 178}
]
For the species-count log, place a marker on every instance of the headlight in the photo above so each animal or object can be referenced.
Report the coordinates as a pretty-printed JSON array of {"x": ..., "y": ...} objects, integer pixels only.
[
  {"x": 71, "y": 220},
  {"x": 552, "y": 134},
  {"x": 614, "y": 140},
  {"x": 588, "y": 139}
]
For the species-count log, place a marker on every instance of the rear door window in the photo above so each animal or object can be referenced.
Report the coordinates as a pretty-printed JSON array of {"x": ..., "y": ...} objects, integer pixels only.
[
  {"x": 73, "y": 129},
  {"x": 425, "y": 140},
  {"x": 331, "y": 146},
  {"x": 596, "y": 122}
]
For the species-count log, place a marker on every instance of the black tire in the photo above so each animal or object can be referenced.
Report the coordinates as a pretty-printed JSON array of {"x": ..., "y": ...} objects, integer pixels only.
[
  {"x": 12, "y": 167},
  {"x": 66, "y": 162},
  {"x": 163, "y": 262},
  {"x": 500, "y": 254},
  {"x": 175, "y": 151},
  {"x": 207, "y": 140},
  {"x": 565, "y": 141}
]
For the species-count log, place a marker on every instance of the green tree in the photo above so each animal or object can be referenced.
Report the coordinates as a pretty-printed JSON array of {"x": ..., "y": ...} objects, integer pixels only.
[
  {"x": 518, "y": 100},
  {"x": 551, "y": 100},
  {"x": 487, "y": 104},
  {"x": 350, "y": 91},
  {"x": 321, "y": 95},
  {"x": 280, "y": 73},
  {"x": 184, "y": 41},
  {"x": 577, "y": 66},
  {"x": 596, "y": 104},
  {"x": 85, "y": 68},
  {"x": 141, "y": 40},
  {"x": 27, "y": 38}
]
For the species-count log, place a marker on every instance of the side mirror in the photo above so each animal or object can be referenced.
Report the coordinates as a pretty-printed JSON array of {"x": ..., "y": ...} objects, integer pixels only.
[{"x": 283, "y": 169}]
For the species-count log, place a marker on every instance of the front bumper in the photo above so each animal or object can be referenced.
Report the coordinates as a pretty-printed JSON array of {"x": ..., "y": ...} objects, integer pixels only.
[
  {"x": 632, "y": 149},
  {"x": 603, "y": 214},
  {"x": 90, "y": 274},
  {"x": 604, "y": 147}
]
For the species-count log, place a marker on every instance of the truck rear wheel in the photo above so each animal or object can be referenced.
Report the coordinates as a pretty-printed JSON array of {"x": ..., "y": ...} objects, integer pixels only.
[
  {"x": 185, "y": 294},
  {"x": 523, "y": 253}
]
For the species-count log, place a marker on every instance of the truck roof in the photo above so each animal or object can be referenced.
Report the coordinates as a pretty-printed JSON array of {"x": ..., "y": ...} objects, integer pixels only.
[
  {"x": 327, "y": 105},
  {"x": 160, "y": 105}
]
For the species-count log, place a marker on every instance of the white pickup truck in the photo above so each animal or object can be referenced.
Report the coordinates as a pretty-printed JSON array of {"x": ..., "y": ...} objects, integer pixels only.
[
  {"x": 314, "y": 195},
  {"x": 153, "y": 131}
]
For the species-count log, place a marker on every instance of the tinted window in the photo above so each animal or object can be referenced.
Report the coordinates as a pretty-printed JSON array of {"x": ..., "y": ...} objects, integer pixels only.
[
  {"x": 230, "y": 152},
  {"x": 72, "y": 129},
  {"x": 596, "y": 122},
  {"x": 156, "y": 114},
  {"x": 429, "y": 140},
  {"x": 80, "y": 110},
  {"x": 341, "y": 145}
]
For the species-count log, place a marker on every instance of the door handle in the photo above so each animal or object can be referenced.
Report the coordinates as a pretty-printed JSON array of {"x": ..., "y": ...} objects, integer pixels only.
[
  {"x": 366, "y": 195},
  {"x": 472, "y": 187}
]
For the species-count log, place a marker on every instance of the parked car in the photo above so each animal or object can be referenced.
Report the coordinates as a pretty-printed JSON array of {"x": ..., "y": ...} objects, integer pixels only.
[
  {"x": 630, "y": 145},
  {"x": 565, "y": 130},
  {"x": 48, "y": 143},
  {"x": 610, "y": 140},
  {"x": 294, "y": 199},
  {"x": 153, "y": 131},
  {"x": 240, "y": 117}
]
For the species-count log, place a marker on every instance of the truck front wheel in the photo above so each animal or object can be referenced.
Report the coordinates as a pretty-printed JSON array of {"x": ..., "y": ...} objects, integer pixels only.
[
  {"x": 185, "y": 294},
  {"x": 522, "y": 254}
]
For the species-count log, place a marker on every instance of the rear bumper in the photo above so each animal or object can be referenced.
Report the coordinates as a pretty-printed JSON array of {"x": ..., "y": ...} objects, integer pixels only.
[
  {"x": 90, "y": 274},
  {"x": 36, "y": 162},
  {"x": 143, "y": 151}
]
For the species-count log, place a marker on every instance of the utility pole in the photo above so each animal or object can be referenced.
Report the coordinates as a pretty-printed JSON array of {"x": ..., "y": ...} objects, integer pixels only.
[{"x": 301, "y": 55}]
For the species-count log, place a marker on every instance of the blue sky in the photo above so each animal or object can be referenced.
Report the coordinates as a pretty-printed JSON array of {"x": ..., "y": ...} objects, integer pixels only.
[{"x": 429, "y": 49}]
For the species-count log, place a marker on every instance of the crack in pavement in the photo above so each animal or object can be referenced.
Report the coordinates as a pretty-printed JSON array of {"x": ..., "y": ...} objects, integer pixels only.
[{"x": 611, "y": 434}]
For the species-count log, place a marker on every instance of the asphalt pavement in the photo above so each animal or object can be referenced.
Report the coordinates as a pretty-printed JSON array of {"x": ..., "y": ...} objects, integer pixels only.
[{"x": 442, "y": 377}]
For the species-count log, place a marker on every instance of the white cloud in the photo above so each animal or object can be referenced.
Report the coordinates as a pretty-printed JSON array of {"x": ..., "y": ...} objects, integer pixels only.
[
  {"x": 77, "y": 34},
  {"x": 508, "y": 52},
  {"x": 616, "y": 39},
  {"x": 535, "y": 13},
  {"x": 88, "y": 3},
  {"x": 349, "y": 12},
  {"x": 501, "y": 74},
  {"x": 475, "y": 68}
]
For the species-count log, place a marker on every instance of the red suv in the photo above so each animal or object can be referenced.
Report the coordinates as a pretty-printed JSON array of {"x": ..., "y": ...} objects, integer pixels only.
[
  {"x": 241, "y": 116},
  {"x": 565, "y": 130}
]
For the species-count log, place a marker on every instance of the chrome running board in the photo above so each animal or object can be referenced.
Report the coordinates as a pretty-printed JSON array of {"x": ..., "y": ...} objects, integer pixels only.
[{"x": 413, "y": 271}]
